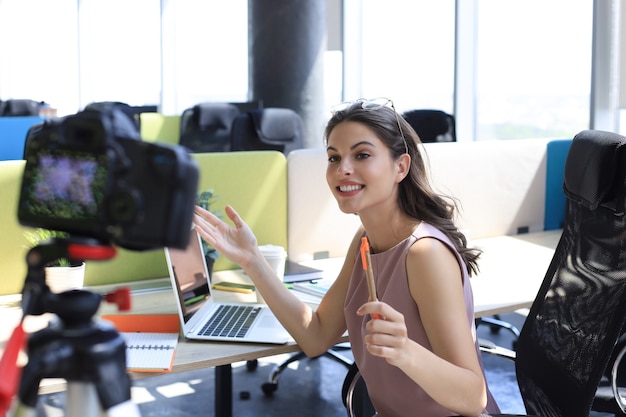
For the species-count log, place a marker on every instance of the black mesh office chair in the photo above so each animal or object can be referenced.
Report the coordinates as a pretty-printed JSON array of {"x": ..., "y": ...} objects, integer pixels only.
[
  {"x": 354, "y": 394},
  {"x": 271, "y": 128},
  {"x": 432, "y": 125},
  {"x": 206, "y": 127},
  {"x": 570, "y": 334},
  {"x": 606, "y": 400}
]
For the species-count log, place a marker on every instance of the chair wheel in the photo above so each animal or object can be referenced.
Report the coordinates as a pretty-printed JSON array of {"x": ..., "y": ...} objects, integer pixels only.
[
  {"x": 252, "y": 365},
  {"x": 269, "y": 388}
]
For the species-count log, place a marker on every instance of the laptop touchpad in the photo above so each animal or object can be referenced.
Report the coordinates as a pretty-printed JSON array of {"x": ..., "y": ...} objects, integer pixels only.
[{"x": 268, "y": 322}]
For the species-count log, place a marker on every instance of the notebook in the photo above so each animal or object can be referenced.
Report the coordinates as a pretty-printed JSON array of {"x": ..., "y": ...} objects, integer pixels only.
[
  {"x": 295, "y": 272},
  {"x": 151, "y": 340},
  {"x": 201, "y": 317}
]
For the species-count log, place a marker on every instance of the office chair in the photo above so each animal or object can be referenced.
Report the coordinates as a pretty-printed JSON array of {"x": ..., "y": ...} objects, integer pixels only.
[
  {"x": 206, "y": 127},
  {"x": 354, "y": 394},
  {"x": 432, "y": 125},
  {"x": 271, "y": 385},
  {"x": 606, "y": 400},
  {"x": 20, "y": 107},
  {"x": 271, "y": 128},
  {"x": 569, "y": 337},
  {"x": 128, "y": 110}
]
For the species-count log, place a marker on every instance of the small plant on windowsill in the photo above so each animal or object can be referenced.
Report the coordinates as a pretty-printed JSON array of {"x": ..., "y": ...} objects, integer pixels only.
[
  {"x": 39, "y": 235},
  {"x": 61, "y": 274},
  {"x": 205, "y": 200}
]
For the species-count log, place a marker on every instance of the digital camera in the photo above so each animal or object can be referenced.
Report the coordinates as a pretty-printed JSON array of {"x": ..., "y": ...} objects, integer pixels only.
[{"x": 91, "y": 175}]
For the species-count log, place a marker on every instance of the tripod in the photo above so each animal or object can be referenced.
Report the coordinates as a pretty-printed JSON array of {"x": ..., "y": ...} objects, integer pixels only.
[{"x": 89, "y": 355}]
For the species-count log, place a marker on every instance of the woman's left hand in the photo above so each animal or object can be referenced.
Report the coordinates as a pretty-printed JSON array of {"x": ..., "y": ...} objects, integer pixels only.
[
  {"x": 237, "y": 242},
  {"x": 385, "y": 336}
]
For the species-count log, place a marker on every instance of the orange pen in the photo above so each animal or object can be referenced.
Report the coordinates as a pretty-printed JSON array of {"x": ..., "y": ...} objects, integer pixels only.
[{"x": 369, "y": 273}]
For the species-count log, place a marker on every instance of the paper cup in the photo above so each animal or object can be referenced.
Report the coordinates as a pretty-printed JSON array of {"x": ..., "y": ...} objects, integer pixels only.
[{"x": 276, "y": 256}]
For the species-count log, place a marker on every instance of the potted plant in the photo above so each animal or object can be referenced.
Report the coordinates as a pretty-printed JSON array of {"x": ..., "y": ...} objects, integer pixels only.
[
  {"x": 61, "y": 274},
  {"x": 205, "y": 200}
]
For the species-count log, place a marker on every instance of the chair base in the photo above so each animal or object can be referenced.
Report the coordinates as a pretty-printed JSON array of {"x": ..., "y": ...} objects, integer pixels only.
[
  {"x": 495, "y": 324},
  {"x": 271, "y": 385}
]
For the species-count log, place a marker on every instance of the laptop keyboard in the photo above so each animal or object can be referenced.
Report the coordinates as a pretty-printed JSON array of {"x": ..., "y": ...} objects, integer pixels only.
[{"x": 230, "y": 321}]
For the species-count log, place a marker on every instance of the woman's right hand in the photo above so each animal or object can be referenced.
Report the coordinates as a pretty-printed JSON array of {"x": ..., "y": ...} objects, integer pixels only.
[{"x": 236, "y": 243}]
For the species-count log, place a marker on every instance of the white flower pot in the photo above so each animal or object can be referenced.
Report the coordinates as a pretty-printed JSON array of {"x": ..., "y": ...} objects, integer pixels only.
[{"x": 65, "y": 278}]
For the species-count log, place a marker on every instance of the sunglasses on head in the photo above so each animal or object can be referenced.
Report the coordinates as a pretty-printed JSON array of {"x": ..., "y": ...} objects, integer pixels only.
[{"x": 372, "y": 104}]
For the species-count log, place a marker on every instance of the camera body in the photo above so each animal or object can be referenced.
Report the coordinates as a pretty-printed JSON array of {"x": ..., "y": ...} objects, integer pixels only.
[{"x": 90, "y": 175}]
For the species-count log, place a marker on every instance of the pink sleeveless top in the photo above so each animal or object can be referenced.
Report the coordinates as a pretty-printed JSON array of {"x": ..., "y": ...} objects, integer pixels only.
[{"x": 391, "y": 391}]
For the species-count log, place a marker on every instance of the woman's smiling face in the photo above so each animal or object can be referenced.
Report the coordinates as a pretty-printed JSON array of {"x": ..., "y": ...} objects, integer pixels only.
[{"x": 361, "y": 173}]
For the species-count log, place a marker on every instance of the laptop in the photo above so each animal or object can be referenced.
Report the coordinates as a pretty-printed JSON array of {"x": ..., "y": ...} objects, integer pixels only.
[{"x": 201, "y": 317}]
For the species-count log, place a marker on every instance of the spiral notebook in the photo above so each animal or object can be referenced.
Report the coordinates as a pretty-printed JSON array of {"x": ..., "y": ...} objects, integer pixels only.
[
  {"x": 151, "y": 340},
  {"x": 150, "y": 352}
]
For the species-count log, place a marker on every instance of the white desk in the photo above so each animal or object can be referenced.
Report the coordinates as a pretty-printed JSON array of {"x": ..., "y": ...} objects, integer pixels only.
[{"x": 512, "y": 269}]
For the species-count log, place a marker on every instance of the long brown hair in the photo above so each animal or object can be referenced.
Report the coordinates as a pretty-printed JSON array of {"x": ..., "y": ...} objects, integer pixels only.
[{"x": 416, "y": 196}]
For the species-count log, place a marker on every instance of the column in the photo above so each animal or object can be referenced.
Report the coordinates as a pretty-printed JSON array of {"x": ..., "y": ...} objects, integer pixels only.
[{"x": 287, "y": 41}]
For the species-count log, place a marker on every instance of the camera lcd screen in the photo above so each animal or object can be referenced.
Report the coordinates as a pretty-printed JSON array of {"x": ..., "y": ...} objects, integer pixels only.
[{"x": 65, "y": 186}]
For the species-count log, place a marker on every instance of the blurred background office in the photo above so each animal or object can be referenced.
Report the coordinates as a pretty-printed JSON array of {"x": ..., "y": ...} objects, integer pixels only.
[{"x": 506, "y": 69}]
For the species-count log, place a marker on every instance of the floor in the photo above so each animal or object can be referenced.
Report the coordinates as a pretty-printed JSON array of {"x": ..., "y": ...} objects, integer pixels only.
[{"x": 310, "y": 388}]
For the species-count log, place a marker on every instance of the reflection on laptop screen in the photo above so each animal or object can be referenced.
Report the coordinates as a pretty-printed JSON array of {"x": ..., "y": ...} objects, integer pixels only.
[{"x": 190, "y": 274}]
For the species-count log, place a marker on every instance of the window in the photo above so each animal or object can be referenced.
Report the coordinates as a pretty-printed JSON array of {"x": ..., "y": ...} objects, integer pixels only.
[
  {"x": 39, "y": 52},
  {"x": 533, "y": 68},
  {"x": 407, "y": 52},
  {"x": 524, "y": 72},
  {"x": 206, "y": 52},
  {"x": 120, "y": 57},
  {"x": 530, "y": 74}
]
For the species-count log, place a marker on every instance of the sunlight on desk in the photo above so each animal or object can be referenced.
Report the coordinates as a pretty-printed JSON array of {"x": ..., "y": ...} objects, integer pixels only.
[{"x": 512, "y": 269}]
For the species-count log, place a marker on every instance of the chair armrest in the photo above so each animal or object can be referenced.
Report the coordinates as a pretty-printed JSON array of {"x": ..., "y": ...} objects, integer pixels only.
[
  {"x": 487, "y": 346},
  {"x": 618, "y": 398}
]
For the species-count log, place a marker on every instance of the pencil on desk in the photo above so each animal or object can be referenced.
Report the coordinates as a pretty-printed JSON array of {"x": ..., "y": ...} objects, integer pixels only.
[{"x": 366, "y": 260}]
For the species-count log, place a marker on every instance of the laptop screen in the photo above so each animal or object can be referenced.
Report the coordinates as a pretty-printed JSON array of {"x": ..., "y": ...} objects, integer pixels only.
[{"x": 188, "y": 267}]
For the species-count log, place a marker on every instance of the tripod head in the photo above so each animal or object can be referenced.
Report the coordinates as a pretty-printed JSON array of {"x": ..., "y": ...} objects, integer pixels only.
[{"x": 37, "y": 298}]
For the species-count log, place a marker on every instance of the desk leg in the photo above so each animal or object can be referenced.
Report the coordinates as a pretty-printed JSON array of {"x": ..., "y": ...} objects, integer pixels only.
[{"x": 223, "y": 391}]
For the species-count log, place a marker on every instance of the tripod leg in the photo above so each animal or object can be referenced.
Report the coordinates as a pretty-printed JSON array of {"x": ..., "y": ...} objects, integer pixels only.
[
  {"x": 113, "y": 384},
  {"x": 82, "y": 400}
]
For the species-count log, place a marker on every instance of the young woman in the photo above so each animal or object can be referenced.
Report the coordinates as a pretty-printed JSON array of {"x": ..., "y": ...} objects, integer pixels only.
[{"x": 416, "y": 347}]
